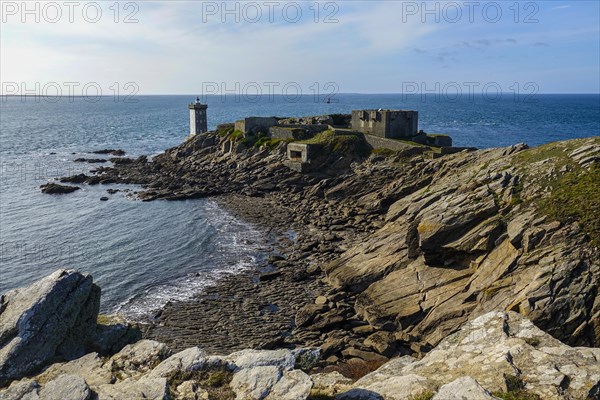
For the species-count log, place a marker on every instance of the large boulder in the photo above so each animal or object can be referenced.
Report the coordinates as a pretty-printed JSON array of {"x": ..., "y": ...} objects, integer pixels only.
[
  {"x": 269, "y": 374},
  {"x": 53, "y": 318}
]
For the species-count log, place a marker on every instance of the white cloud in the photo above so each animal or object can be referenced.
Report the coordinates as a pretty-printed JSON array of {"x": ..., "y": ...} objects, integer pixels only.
[{"x": 172, "y": 48}]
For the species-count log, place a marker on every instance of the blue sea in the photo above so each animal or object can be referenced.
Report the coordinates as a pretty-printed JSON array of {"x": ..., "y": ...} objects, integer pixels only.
[{"x": 145, "y": 254}]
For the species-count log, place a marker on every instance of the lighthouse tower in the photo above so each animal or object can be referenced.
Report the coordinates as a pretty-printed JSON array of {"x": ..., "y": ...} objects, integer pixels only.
[{"x": 198, "y": 123}]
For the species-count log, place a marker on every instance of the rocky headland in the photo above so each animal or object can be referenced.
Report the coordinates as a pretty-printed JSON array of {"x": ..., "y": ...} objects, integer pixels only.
[{"x": 473, "y": 272}]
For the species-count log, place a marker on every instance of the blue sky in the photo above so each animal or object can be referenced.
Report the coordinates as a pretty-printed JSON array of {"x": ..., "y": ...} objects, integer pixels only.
[{"x": 180, "y": 47}]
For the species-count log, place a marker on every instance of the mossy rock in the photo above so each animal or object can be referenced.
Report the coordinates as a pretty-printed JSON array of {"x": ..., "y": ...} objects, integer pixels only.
[
  {"x": 329, "y": 141},
  {"x": 424, "y": 395},
  {"x": 214, "y": 381},
  {"x": 576, "y": 197}
]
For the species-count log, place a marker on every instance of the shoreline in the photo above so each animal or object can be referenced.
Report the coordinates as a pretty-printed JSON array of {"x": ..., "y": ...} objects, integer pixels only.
[
  {"x": 255, "y": 307},
  {"x": 393, "y": 251}
]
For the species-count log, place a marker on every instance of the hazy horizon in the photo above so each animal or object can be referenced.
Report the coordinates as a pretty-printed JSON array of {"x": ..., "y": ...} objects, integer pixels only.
[{"x": 209, "y": 47}]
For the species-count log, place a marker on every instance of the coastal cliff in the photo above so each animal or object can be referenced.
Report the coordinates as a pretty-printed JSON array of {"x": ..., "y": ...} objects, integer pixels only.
[{"x": 384, "y": 254}]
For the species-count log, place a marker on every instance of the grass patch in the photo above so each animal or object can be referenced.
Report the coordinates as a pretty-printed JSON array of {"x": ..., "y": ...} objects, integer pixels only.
[
  {"x": 517, "y": 395},
  {"x": 515, "y": 390},
  {"x": 355, "y": 370},
  {"x": 268, "y": 142},
  {"x": 576, "y": 197},
  {"x": 535, "y": 342},
  {"x": 340, "y": 143},
  {"x": 236, "y": 135},
  {"x": 225, "y": 129},
  {"x": 108, "y": 319},
  {"x": 424, "y": 395},
  {"x": 516, "y": 193},
  {"x": 556, "y": 151},
  {"x": 382, "y": 151},
  {"x": 215, "y": 382},
  {"x": 491, "y": 291}
]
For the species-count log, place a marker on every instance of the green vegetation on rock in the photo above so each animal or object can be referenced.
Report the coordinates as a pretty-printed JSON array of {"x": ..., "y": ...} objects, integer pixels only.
[
  {"x": 381, "y": 151},
  {"x": 215, "y": 382},
  {"x": 515, "y": 390},
  {"x": 225, "y": 129},
  {"x": 269, "y": 143},
  {"x": 424, "y": 395},
  {"x": 340, "y": 143},
  {"x": 573, "y": 192},
  {"x": 236, "y": 135},
  {"x": 576, "y": 197}
]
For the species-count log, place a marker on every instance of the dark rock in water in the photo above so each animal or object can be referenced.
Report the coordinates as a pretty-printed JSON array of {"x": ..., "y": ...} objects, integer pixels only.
[
  {"x": 54, "y": 188},
  {"x": 275, "y": 257},
  {"x": 110, "y": 151},
  {"x": 91, "y": 160},
  {"x": 53, "y": 318},
  {"x": 121, "y": 161},
  {"x": 103, "y": 198},
  {"x": 112, "y": 191},
  {"x": 79, "y": 178}
]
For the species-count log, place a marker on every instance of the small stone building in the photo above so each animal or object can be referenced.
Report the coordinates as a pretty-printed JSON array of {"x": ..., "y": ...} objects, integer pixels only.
[
  {"x": 253, "y": 124},
  {"x": 386, "y": 123},
  {"x": 298, "y": 156}
]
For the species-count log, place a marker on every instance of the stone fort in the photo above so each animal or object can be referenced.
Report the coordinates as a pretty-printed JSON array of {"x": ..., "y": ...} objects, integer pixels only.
[{"x": 387, "y": 129}]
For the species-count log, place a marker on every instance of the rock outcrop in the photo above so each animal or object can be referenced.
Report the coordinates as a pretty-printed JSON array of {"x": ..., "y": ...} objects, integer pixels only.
[
  {"x": 54, "y": 319},
  {"x": 478, "y": 238},
  {"x": 411, "y": 245},
  {"x": 148, "y": 370},
  {"x": 497, "y": 352},
  {"x": 413, "y": 248},
  {"x": 497, "y": 355}
]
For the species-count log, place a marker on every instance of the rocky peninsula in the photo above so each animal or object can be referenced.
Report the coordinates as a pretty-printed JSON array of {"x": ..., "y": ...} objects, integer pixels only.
[{"x": 468, "y": 276}]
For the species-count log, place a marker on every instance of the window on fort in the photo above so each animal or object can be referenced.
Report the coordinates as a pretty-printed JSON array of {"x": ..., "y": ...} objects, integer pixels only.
[{"x": 295, "y": 154}]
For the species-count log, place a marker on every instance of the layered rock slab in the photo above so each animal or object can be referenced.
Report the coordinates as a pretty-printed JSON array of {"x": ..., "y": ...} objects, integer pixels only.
[{"x": 54, "y": 317}]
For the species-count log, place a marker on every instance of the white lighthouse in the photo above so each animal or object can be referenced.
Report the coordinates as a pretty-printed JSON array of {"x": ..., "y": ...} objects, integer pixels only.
[{"x": 198, "y": 122}]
